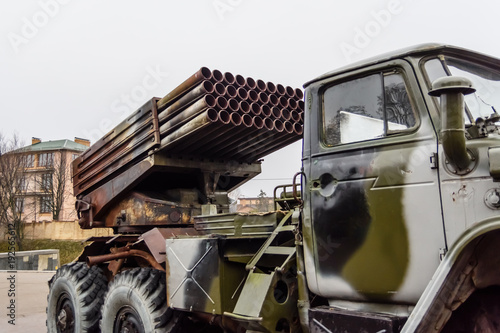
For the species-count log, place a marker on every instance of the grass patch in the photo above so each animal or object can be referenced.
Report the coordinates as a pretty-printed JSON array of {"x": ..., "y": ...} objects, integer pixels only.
[{"x": 68, "y": 250}]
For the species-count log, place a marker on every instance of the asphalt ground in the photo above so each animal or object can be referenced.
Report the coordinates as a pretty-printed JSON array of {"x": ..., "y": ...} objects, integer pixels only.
[{"x": 23, "y": 299}]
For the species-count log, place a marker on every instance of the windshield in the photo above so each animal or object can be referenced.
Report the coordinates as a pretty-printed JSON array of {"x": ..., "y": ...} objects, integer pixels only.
[{"x": 485, "y": 79}]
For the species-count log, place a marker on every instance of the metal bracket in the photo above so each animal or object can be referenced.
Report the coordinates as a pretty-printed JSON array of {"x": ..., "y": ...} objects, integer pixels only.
[{"x": 434, "y": 161}]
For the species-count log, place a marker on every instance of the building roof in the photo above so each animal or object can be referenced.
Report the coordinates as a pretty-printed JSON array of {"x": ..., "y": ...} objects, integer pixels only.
[{"x": 55, "y": 145}]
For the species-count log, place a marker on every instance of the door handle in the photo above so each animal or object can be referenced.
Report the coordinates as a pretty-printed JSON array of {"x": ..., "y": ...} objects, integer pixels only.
[{"x": 325, "y": 185}]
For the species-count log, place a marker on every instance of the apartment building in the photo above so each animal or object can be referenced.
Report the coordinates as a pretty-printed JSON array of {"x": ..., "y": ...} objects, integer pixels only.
[{"x": 46, "y": 188}]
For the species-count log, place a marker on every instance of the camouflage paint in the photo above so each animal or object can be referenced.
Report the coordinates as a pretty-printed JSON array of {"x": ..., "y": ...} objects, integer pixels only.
[
  {"x": 383, "y": 256},
  {"x": 359, "y": 226}
]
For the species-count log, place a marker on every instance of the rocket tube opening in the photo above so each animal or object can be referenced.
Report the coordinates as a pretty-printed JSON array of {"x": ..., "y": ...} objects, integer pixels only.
[
  {"x": 298, "y": 129},
  {"x": 219, "y": 89},
  {"x": 240, "y": 80},
  {"x": 273, "y": 100},
  {"x": 210, "y": 100},
  {"x": 278, "y": 125},
  {"x": 221, "y": 102},
  {"x": 269, "y": 124},
  {"x": 207, "y": 86},
  {"x": 288, "y": 127},
  {"x": 283, "y": 102},
  {"x": 286, "y": 114},
  {"x": 228, "y": 78},
  {"x": 206, "y": 73},
  {"x": 263, "y": 97},
  {"x": 233, "y": 105},
  {"x": 241, "y": 93},
  {"x": 235, "y": 119},
  {"x": 247, "y": 120},
  {"x": 266, "y": 110},
  {"x": 301, "y": 105},
  {"x": 255, "y": 108},
  {"x": 258, "y": 122},
  {"x": 276, "y": 112},
  {"x": 224, "y": 117},
  {"x": 261, "y": 85},
  {"x": 212, "y": 115},
  {"x": 270, "y": 87},
  {"x": 244, "y": 107},
  {"x": 280, "y": 89},
  {"x": 217, "y": 75},
  {"x": 231, "y": 91},
  {"x": 250, "y": 83},
  {"x": 299, "y": 94},
  {"x": 253, "y": 96}
]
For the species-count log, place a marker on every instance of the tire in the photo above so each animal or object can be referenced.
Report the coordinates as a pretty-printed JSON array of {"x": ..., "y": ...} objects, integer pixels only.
[
  {"x": 76, "y": 294},
  {"x": 136, "y": 302}
]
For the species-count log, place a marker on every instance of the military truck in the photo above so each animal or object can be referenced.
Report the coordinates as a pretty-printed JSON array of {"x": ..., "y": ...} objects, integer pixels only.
[{"x": 391, "y": 225}]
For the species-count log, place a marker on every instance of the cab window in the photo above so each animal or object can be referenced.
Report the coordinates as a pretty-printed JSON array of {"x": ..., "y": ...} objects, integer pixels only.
[{"x": 366, "y": 108}]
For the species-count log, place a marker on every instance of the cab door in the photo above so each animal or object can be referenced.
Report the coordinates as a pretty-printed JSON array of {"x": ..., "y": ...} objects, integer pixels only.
[{"x": 373, "y": 228}]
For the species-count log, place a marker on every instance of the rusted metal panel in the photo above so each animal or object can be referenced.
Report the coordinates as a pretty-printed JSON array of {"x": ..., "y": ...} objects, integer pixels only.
[
  {"x": 238, "y": 224},
  {"x": 127, "y": 143},
  {"x": 159, "y": 177}
]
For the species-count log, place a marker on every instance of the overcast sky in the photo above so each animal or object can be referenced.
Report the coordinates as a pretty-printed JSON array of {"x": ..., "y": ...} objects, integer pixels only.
[{"x": 77, "y": 68}]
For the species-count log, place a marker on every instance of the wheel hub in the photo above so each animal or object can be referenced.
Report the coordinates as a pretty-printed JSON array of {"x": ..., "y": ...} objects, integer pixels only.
[
  {"x": 128, "y": 321},
  {"x": 65, "y": 315}
]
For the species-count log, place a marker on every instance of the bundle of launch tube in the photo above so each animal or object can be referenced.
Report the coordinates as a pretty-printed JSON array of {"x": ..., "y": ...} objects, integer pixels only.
[
  {"x": 228, "y": 116},
  {"x": 210, "y": 115}
]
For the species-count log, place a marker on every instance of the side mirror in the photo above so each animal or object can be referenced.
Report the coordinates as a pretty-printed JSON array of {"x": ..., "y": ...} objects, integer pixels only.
[{"x": 452, "y": 89}]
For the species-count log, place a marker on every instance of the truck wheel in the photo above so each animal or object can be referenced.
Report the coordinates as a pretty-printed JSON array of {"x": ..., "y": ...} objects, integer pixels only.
[
  {"x": 75, "y": 298},
  {"x": 136, "y": 303}
]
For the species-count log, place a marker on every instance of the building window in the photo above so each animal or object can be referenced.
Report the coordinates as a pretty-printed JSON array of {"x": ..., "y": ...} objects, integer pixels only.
[
  {"x": 29, "y": 161},
  {"x": 45, "y": 159},
  {"x": 45, "y": 204},
  {"x": 20, "y": 205},
  {"x": 74, "y": 156},
  {"x": 23, "y": 184},
  {"x": 46, "y": 182}
]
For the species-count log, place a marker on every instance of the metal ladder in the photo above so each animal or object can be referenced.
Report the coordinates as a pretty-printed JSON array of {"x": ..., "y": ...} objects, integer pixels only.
[{"x": 283, "y": 250}]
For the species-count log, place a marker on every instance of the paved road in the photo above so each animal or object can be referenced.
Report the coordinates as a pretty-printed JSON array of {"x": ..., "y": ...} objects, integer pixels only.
[{"x": 30, "y": 301}]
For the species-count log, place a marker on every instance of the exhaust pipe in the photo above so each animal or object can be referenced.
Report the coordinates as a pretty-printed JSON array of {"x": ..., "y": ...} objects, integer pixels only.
[{"x": 451, "y": 90}]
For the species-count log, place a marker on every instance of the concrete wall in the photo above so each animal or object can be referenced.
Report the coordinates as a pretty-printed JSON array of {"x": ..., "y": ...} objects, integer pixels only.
[
  {"x": 62, "y": 230},
  {"x": 39, "y": 260}
]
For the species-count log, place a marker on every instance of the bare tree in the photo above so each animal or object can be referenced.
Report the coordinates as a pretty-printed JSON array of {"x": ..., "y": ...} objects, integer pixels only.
[
  {"x": 52, "y": 184},
  {"x": 12, "y": 178},
  {"x": 263, "y": 202}
]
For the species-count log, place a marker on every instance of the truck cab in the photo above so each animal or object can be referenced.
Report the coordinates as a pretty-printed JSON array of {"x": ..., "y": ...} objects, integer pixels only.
[{"x": 386, "y": 199}]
